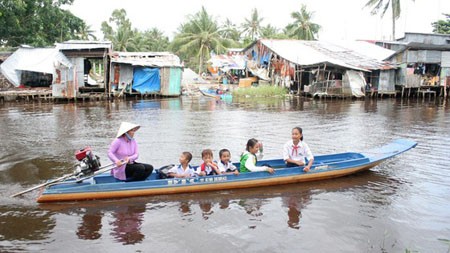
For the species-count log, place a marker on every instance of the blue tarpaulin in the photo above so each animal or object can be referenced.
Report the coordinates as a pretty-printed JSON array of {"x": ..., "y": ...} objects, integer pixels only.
[{"x": 146, "y": 80}]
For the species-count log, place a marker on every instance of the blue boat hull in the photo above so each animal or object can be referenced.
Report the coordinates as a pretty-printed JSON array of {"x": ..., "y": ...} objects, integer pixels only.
[
  {"x": 325, "y": 166},
  {"x": 213, "y": 94}
]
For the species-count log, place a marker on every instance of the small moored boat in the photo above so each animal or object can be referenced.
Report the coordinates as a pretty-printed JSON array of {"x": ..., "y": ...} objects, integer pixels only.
[
  {"x": 104, "y": 186},
  {"x": 213, "y": 94}
]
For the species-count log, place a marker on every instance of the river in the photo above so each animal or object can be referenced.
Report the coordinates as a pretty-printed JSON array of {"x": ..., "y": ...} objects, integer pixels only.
[{"x": 402, "y": 204}]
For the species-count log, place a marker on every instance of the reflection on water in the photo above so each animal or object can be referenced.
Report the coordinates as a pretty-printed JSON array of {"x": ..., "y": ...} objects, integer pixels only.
[
  {"x": 354, "y": 213},
  {"x": 90, "y": 226},
  {"x": 252, "y": 207},
  {"x": 126, "y": 226},
  {"x": 206, "y": 206},
  {"x": 124, "y": 219},
  {"x": 185, "y": 208},
  {"x": 295, "y": 204}
]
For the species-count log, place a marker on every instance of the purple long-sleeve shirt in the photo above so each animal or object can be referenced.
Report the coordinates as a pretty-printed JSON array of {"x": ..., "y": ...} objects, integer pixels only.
[{"x": 118, "y": 150}]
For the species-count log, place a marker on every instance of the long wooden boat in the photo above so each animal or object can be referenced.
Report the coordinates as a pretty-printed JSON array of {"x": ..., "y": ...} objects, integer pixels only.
[{"x": 105, "y": 186}]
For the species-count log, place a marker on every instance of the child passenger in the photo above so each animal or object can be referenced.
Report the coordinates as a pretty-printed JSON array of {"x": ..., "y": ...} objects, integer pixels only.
[
  {"x": 183, "y": 170},
  {"x": 208, "y": 167},
  {"x": 225, "y": 165},
  {"x": 296, "y": 150},
  {"x": 248, "y": 158}
]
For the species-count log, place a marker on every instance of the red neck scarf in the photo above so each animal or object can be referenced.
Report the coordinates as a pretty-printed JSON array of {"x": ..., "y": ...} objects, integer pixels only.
[{"x": 295, "y": 148}]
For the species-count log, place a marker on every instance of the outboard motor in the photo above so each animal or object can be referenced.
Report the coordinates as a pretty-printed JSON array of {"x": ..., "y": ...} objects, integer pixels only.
[{"x": 89, "y": 163}]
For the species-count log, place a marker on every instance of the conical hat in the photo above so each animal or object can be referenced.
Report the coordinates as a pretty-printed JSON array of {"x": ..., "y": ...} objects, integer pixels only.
[{"x": 125, "y": 127}]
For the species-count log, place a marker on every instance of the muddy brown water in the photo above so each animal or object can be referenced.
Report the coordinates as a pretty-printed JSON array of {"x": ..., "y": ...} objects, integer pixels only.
[{"x": 402, "y": 204}]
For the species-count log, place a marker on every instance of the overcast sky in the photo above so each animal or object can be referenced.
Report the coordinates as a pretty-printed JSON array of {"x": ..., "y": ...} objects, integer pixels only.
[{"x": 346, "y": 19}]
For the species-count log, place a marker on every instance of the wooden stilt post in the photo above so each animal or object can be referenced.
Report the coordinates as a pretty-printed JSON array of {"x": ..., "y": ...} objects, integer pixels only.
[{"x": 300, "y": 81}]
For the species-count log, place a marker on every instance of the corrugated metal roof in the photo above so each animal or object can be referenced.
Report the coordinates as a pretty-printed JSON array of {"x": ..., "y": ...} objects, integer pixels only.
[
  {"x": 365, "y": 48},
  {"x": 150, "y": 59},
  {"x": 424, "y": 46},
  {"x": 228, "y": 61},
  {"x": 310, "y": 53},
  {"x": 83, "y": 44}
]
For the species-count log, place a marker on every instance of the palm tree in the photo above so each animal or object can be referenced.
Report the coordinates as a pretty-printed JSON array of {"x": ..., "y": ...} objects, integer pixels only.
[
  {"x": 199, "y": 36},
  {"x": 156, "y": 40},
  {"x": 302, "y": 28},
  {"x": 268, "y": 31},
  {"x": 383, "y": 5},
  {"x": 138, "y": 43},
  {"x": 252, "y": 27},
  {"x": 122, "y": 39},
  {"x": 230, "y": 31},
  {"x": 86, "y": 33},
  {"x": 152, "y": 40},
  {"x": 271, "y": 32},
  {"x": 122, "y": 36}
]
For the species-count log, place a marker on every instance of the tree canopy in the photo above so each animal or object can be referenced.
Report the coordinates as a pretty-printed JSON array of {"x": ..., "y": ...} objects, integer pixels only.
[
  {"x": 382, "y": 6},
  {"x": 271, "y": 32},
  {"x": 202, "y": 35},
  {"x": 37, "y": 22},
  {"x": 118, "y": 30},
  {"x": 41, "y": 23},
  {"x": 125, "y": 38},
  {"x": 303, "y": 28},
  {"x": 198, "y": 38},
  {"x": 442, "y": 26},
  {"x": 252, "y": 26}
]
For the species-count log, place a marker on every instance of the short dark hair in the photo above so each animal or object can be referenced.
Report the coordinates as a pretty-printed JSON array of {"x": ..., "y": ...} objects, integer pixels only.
[
  {"x": 223, "y": 151},
  {"x": 188, "y": 155},
  {"x": 251, "y": 143},
  {"x": 206, "y": 152}
]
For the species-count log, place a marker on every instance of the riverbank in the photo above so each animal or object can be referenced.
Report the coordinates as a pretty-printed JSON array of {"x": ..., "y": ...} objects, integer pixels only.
[
  {"x": 45, "y": 95},
  {"x": 42, "y": 94}
]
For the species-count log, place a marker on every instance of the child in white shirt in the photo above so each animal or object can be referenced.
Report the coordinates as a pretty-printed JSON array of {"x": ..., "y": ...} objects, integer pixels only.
[
  {"x": 225, "y": 165},
  {"x": 183, "y": 170},
  {"x": 208, "y": 167},
  {"x": 296, "y": 150}
]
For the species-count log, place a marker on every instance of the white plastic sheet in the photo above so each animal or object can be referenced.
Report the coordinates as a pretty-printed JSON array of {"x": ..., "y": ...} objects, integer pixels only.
[{"x": 44, "y": 60}]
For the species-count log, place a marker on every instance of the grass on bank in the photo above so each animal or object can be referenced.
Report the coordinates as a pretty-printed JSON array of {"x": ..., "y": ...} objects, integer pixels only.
[{"x": 260, "y": 91}]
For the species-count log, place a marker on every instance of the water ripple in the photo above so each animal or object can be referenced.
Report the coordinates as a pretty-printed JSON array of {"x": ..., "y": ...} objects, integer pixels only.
[{"x": 376, "y": 211}]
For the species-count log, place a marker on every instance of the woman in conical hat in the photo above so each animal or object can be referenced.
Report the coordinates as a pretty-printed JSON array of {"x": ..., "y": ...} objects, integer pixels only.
[{"x": 124, "y": 152}]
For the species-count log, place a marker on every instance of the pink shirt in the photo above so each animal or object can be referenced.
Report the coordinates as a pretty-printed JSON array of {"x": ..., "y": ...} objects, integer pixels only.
[{"x": 118, "y": 150}]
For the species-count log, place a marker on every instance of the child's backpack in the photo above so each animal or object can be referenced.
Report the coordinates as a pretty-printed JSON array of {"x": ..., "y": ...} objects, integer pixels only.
[{"x": 163, "y": 172}]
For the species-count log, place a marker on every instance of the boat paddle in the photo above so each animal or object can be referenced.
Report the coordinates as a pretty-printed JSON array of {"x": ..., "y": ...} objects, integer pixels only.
[{"x": 67, "y": 176}]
